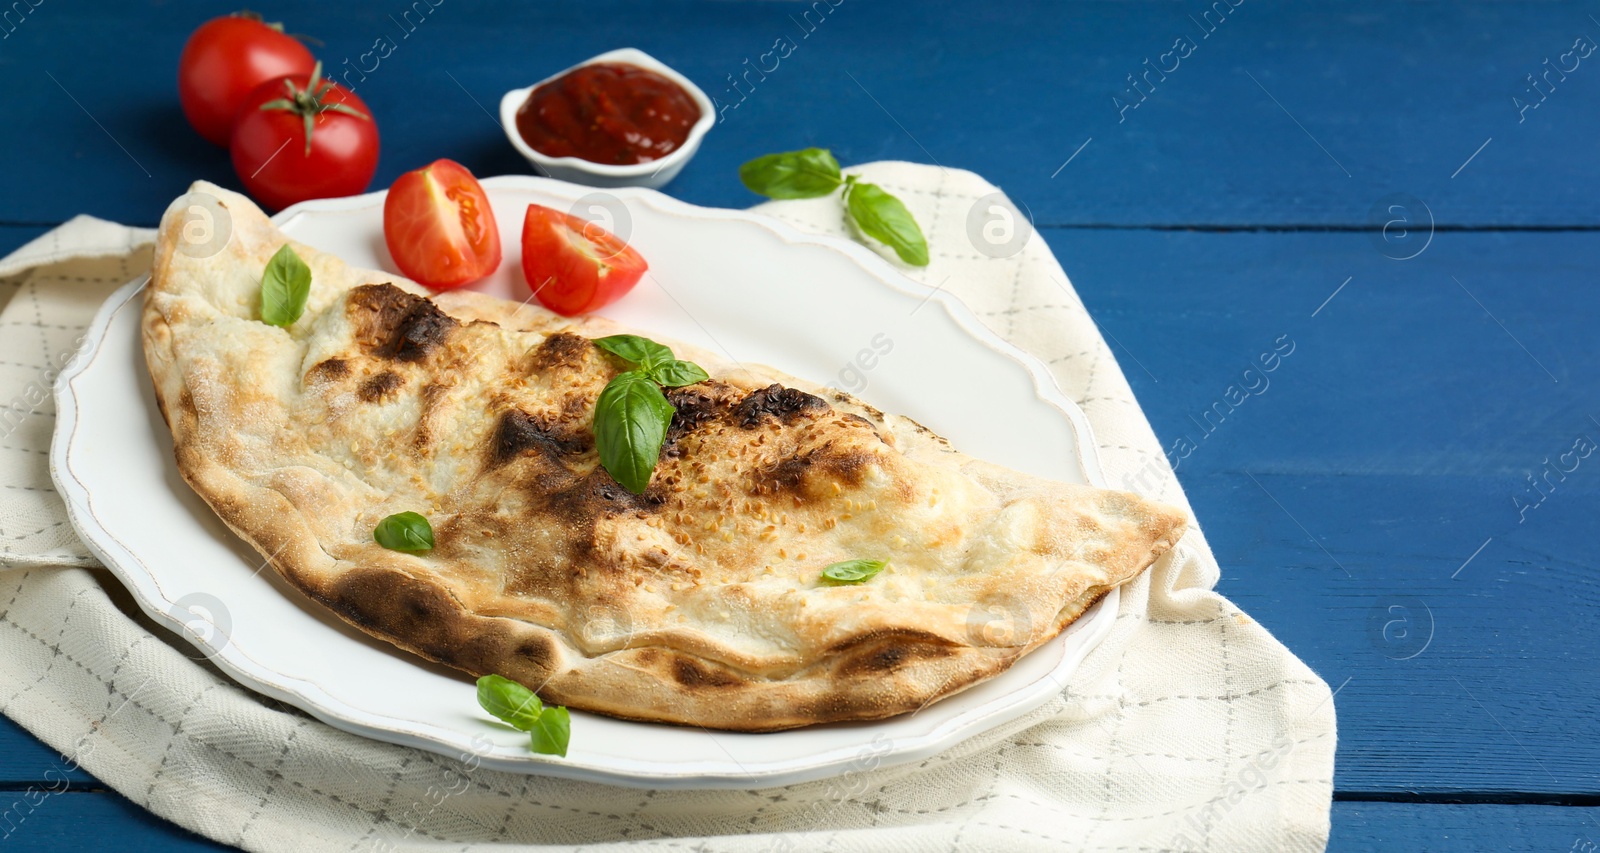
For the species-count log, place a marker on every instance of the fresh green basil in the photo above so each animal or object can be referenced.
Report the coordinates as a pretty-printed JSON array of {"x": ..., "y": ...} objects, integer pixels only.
[
  {"x": 808, "y": 173},
  {"x": 632, "y": 415},
  {"x": 675, "y": 373},
  {"x": 552, "y": 731},
  {"x": 883, "y": 217},
  {"x": 813, "y": 173},
  {"x": 654, "y": 360},
  {"x": 853, "y": 571},
  {"x": 510, "y": 701},
  {"x": 404, "y": 531},
  {"x": 285, "y": 286},
  {"x": 641, "y": 351},
  {"x": 630, "y": 423},
  {"x": 549, "y": 727}
]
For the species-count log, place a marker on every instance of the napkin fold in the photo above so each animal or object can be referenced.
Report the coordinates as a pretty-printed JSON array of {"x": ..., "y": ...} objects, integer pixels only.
[{"x": 1189, "y": 728}]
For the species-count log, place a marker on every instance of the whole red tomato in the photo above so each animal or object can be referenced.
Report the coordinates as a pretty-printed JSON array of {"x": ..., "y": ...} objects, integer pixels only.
[
  {"x": 224, "y": 60},
  {"x": 303, "y": 137},
  {"x": 439, "y": 226},
  {"x": 573, "y": 265}
]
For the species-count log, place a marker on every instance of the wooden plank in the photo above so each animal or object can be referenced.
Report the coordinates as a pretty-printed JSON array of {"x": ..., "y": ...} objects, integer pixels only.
[
  {"x": 13, "y": 237},
  {"x": 1472, "y": 358},
  {"x": 63, "y": 822},
  {"x": 1398, "y": 434},
  {"x": 1433, "y": 828},
  {"x": 1472, "y": 683},
  {"x": 1279, "y": 117},
  {"x": 36, "y": 823},
  {"x": 26, "y": 760}
]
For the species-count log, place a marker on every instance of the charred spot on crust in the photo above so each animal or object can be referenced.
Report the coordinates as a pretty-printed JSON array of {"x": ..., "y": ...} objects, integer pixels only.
[
  {"x": 615, "y": 495},
  {"x": 579, "y": 505},
  {"x": 333, "y": 368},
  {"x": 424, "y": 328},
  {"x": 705, "y": 402},
  {"x": 519, "y": 432},
  {"x": 399, "y": 605},
  {"x": 696, "y": 405},
  {"x": 783, "y": 404},
  {"x": 562, "y": 349},
  {"x": 790, "y": 473},
  {"x": 376, "y": 309},
  {"x": 426, "y": 619},
  {"x": 846, "y": 399},
  {"x": 378, "y": 387},
  {"x": 883, "y": 652},
  {"x": 540, "y": 652},
  {"x": 785, "y": 476},
  {"x": 397, "y": 325},
  {"x": 576, "y": 506},
  {"x": 891, "y": 657},
  {"x": 694, "y": 676}
]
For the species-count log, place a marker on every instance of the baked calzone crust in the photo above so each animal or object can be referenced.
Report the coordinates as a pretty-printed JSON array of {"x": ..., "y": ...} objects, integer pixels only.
[{"x": 699, "y": 601}]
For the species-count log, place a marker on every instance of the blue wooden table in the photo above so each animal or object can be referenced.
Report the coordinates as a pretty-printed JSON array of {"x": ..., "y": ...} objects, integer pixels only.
[{"x": 1382, "y": 183}]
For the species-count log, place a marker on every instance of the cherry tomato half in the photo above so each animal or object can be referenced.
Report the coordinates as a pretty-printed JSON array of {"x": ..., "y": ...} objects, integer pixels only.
[
  {"x": 439, "y": 227},
  {"x": 573, "y": 265},
  {"x": 276, "y": 160},
  {"x": 227, "y": 58}
]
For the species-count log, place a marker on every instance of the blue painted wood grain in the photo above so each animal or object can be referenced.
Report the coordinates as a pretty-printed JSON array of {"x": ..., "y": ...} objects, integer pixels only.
[
  {"x": 1284, "y": 115},
  {"x": 1386, "y": 450},
  {"x": 13, "y": 237},
  {"x": 63, "y": 823},
  {"x": 1435, "y": 828},
  {"x": 1343, "y": 500},
  {"x": 94, "y": 820},
  {"x": 26, "y": 760}
]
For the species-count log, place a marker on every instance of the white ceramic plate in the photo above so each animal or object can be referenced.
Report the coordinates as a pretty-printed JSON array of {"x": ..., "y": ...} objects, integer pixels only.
[{"x": 731, "y": 281}]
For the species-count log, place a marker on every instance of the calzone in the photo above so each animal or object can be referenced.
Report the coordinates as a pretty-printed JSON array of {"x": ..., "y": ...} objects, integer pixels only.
[{"x": 700, "y": 601}]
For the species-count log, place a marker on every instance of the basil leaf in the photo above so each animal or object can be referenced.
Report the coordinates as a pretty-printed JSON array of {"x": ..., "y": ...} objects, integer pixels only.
[
  {"x": 510, "y": 701},
  {"x": 676, "y": 373},
  {"x": 285, "y": 286},
  {"x": 630, "y": 423},
  {"x": 882, "y": 217},
  {"x": 405, "y": 531},
  {"x": 641, "y": 351},
  {"x": 551, "y": 732},
  {"x": 853, "y": 571},
  {"x": 654, "y": 360},
  {"x": 808, "y": 173}
]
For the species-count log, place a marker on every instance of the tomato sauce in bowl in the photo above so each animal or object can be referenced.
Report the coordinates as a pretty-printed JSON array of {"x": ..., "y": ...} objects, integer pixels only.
[{"x": 612, "y": 113}]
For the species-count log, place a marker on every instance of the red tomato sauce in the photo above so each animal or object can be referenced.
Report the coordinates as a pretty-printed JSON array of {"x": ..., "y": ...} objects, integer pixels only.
[{"x": 609, "y": 113}]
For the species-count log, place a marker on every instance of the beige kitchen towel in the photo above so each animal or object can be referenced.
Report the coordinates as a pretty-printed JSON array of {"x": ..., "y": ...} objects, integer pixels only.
[{"x": 1189, "y": 728}]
